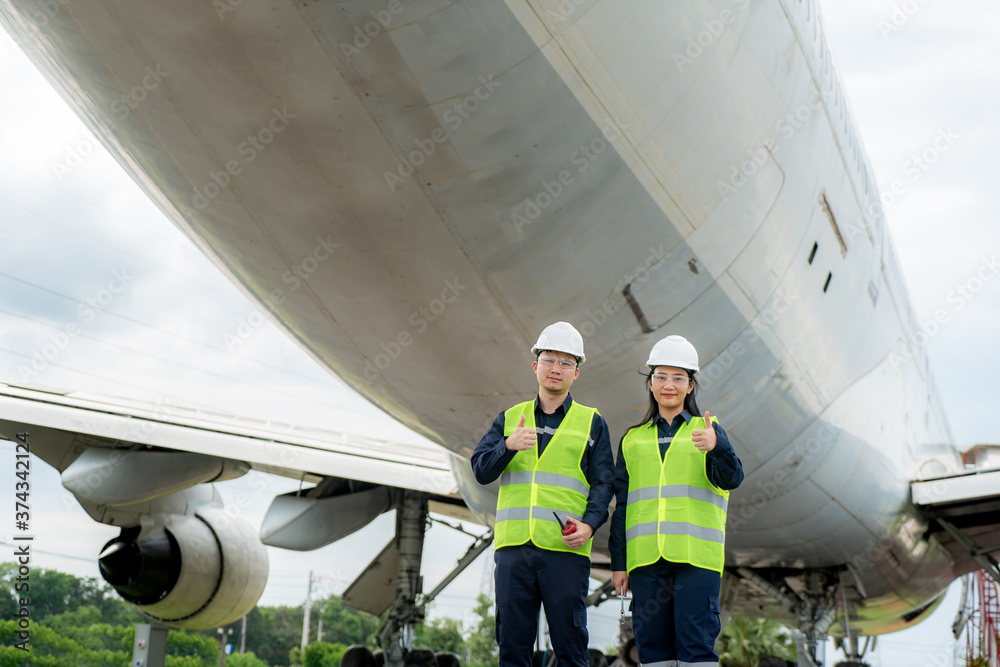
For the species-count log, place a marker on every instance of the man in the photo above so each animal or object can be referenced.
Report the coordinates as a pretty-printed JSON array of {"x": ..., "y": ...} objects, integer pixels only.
[{"x": 553, "y": 458}]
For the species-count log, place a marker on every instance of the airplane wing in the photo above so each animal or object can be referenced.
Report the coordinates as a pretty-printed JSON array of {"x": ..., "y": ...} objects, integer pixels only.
[
  {"x": 963, "y": 511},
  {"x": 148, "y": 469},
  {"x": 80, "y": 420}
]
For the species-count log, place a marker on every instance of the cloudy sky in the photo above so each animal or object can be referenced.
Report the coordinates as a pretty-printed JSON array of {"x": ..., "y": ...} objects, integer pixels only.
[{"x": 157, "y": 316}]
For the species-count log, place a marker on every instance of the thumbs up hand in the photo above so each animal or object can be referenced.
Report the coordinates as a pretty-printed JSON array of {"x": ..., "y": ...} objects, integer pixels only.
[
  {"x": 522, "y": 438},
  {"x": 704, "y": 439}
]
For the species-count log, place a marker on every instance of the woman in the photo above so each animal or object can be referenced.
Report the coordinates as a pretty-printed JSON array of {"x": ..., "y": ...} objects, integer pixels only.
[{"x": 672, "y": 482}]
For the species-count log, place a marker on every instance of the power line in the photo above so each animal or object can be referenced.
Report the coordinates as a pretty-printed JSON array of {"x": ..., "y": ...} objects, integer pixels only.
[
  {"x": 158, "y": 358},
  {"x": 50, "y": 553},
  {"x": 181, "y": 399},
  {"x": 109, "y": 312},
  {"x": 103, "y": 241}
]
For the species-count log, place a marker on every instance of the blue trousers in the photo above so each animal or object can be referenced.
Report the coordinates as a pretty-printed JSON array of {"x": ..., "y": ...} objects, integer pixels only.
[
  {"x": 528, "y": 577},
  {"x": 675, "y": 614}
]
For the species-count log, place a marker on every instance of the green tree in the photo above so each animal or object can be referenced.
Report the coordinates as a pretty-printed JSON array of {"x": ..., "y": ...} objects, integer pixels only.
[
  {"x": 115, "y": 611},
  {"x": 181, "y": 643},
  {"x": 321, "y": 654},
  {"x": 51, "y": 648},
  {"x": 8, "y": 596},
  {"x": 343, "y": 625},
  {"x": 744, "y": 641},
  {"x": 53, "y": 593},
  {"x": 272, "y": 632},
  {"x": 101, "y": 645},
  {"x": 246, "y": 660},
  {"x": 99, "y": 637},
  {"x": 441, "y": 634},
  {"x": 482, "y": 639},
  {"x": 80, "y": 617},
  {"x": 83, "y": 617}
]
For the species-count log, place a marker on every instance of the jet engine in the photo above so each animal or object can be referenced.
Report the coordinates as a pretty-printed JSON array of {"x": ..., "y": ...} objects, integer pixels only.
[{"x": 196, "y": 571}]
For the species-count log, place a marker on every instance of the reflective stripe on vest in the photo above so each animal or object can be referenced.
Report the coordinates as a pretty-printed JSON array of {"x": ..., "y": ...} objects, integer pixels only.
[
  {"x": 533, "y": 487},
  {"x": 550, "y": 478},
  {"x": 678, "y": 491},
  {"x": 673, "y": 512}
]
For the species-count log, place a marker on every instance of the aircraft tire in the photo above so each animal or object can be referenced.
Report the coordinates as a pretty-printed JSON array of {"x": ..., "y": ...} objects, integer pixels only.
[
  {"x": 357, "y": 655},
  {"x": 420, "y": 657},
  {"x": 597, "y": 659},
  {"x": 446, "y": 659}
]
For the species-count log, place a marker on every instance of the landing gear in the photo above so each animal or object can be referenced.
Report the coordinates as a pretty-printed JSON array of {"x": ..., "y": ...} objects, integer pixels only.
[
  {"x": 850, "y": 647},
  {"x": 814, "y": 608},
  {"x": 815, "y": 612},
  {"x": 409, "y": 606},
  {"x": 396, "y": 635}
]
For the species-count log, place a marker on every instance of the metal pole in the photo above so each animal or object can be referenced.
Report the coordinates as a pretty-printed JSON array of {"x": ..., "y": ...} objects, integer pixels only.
[
  {"x": 305, "y": 614},
  {"x": 223, "y": 640},
  {"x": 150, "y": 645},
  {"x": 243, "y": 635}
]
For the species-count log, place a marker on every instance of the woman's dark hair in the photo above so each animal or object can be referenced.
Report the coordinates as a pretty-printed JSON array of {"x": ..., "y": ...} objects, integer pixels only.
[{"x": 690, "y": 404}]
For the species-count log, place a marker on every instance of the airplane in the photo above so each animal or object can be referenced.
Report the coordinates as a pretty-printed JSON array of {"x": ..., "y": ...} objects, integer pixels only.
[{"x": 433, "y": 184}]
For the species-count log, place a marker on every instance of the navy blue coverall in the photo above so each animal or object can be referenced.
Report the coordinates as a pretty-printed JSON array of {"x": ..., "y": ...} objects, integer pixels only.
[
  {"x": 675, "y": 606},
  {"x": 527, "y": 576}
]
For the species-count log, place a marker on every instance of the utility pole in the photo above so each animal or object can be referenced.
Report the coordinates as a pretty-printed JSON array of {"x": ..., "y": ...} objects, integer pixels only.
[
  {"x": 305, "y": 615},
  {"x": 223, "y": 640},
  {"x": 243, "y": 635}
]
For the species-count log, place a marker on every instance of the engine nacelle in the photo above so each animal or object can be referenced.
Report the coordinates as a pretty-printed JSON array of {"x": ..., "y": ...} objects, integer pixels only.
[{"x": 193, "y": 572}]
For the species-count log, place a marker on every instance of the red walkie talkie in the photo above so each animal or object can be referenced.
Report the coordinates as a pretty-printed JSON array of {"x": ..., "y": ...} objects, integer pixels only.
[{"x": 567, "y": 528}]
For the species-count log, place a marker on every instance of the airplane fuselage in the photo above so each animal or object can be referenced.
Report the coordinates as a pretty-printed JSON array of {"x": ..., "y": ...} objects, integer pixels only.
[{"x": 412, "y": 191}]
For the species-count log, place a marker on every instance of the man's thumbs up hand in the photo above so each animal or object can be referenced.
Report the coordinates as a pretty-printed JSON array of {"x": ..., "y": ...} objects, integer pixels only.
[{"x": 522, "y": 438}]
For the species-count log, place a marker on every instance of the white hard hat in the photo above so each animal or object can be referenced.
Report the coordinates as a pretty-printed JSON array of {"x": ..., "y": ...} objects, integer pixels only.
[
  {"x": 561, "y": 337},
  {"x": 674, "y": 351}
]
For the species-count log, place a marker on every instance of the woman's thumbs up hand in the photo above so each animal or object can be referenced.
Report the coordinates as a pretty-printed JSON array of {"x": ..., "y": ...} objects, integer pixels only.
[{"x": 704, "y": 439}]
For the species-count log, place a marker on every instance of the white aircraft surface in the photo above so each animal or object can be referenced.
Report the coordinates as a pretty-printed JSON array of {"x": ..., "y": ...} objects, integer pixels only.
[{"x": 412, "y": 191}]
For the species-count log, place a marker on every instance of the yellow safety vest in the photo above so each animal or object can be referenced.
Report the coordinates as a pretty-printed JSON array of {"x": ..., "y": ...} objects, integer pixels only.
[
  {"x": 673, "y": 512},
  {"x": 532, "y": 487}
]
